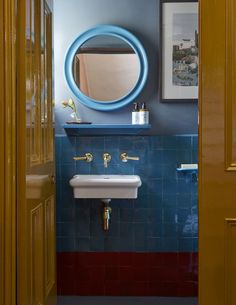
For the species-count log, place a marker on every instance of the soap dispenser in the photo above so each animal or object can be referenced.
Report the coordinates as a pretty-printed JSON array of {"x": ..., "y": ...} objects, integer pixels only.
[
  {"x": 135, "y": 114},
  {"x": 143, "y": 114}
]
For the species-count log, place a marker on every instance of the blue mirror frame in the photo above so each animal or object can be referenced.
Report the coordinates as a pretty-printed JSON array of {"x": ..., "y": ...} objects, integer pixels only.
[{"x": 110, "y": 30}]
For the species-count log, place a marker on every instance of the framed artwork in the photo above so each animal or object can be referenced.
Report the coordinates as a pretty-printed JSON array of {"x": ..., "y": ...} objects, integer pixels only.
[{"x": 179, "y": 56}]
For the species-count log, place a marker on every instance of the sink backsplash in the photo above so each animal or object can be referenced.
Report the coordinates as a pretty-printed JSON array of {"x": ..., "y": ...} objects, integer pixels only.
[{"x": 163, "y": 218}]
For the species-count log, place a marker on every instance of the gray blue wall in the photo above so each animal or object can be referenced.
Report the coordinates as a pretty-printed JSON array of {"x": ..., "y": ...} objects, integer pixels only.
[{"x": 141, "y": 17}]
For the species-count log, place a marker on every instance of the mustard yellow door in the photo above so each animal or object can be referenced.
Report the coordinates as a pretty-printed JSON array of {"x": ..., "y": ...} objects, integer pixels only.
[
  {"x": 217, "y": 179},
  {"x": 36, "y": 284}
]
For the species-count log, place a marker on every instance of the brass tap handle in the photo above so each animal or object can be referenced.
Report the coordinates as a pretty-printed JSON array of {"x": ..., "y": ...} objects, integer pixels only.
[
  {"x": 106, "y": 159},
  {"x": 124, "y": 157},
  {"x": 88, "y": 157}
]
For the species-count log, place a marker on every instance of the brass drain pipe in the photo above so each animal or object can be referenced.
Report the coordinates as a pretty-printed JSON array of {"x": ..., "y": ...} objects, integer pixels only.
[{"x": 107, "y": 210}]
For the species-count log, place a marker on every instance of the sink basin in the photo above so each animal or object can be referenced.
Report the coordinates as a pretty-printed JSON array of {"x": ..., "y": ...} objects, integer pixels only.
[{"x": 105, "y": 186}]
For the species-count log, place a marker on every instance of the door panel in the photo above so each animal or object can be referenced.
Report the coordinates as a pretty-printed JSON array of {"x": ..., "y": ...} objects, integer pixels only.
[
  {"x": 50, "y": 259},
  {"x": 217, "y": 177},
  {"x": 36, "y": 255},
  {"x": 36, "y": 208}
]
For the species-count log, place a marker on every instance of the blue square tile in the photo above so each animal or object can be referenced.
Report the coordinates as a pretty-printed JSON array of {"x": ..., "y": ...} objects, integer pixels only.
[
  {"x": 97, "y": 244},
  {"x": 183, "y": 215},
  {"x": 66, "y": 214},
  {"x": 195, "y": 142},
  {"x": 184, "y": 200},
  {"x": 140, "y": 215},
  {"x": 169, "y": 186},
  {"x": 169, "y": 215},
  {"x": 169, "y": 142},
  {"x": 126, "y": 244},
  {"x": 83, "y": 144},
  {"x": 111, "y": 143},
  {"x": 126, "y": 143},
  {"x": 112, "y": 244},
  {"x": 170, "y": 157},
  {"x": 169, "y": 244},
  {"x": 68, "y": 171},
  {"x": 154, "y": 244},
  {"x": 154, "y": 200},
  {"x": 184, "y": 142},
  {"x": 155, "y": 215},
  {"x": 65, "y": 244},
  {"x": 169, "y": 201},
  {"x": 66, "y": 229},
  {"x": 169, "y": 230},
  {"x": 83, "y": 244},
  {"x": 156, "y": 142},
  {"x": 195, "y": 244},
  {"x": 96, "y": 229},
  {"x": 114, "y": 229},
  {"x": 185, "y": 244},
  {"x": 183, "y": 156},
  {"x": 155, "y": 186},
  {"x": 126, "y": 214},
  {"x": 154, "y": 229},
  {"x": 127, "y": 230}
]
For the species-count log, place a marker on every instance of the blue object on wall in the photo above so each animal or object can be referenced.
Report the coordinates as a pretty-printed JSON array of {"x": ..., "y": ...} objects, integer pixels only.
[{"x": 117, "y": 32}]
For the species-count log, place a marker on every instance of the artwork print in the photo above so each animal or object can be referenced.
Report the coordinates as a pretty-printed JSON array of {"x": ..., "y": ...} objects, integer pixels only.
[{"x": 180, "y": 51}]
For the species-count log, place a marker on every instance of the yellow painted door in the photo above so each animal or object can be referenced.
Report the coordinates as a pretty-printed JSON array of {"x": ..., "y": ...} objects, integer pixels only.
[
  {"x": 217, "y": 179},
  {"x": 36, "y": 279}
]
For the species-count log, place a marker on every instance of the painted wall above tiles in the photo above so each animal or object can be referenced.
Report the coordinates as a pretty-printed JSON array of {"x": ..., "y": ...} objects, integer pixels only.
[{"x": 75, "y": 16}]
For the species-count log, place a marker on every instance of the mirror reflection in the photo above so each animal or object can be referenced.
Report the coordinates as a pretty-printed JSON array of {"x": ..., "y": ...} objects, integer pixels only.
[{"x": 106, "y": 68}]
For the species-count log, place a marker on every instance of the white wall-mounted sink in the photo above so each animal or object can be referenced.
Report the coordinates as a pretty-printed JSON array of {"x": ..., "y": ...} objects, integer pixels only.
[{"x": 106, "y": 186}]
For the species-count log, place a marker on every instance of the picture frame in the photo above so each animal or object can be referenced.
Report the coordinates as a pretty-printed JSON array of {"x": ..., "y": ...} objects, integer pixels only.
[{"x": 179, "y": 50}]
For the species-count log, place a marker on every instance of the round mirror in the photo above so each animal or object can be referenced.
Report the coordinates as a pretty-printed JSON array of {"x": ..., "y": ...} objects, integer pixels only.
[{"x": 106, "y": 68}]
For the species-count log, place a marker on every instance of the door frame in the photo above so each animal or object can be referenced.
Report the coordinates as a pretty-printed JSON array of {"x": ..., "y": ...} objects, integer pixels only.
[{"x": 8, "y": 152}]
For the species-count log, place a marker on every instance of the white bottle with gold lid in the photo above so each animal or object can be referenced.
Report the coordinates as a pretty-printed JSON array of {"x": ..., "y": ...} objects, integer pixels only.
[{"x": 143, "y": 115}]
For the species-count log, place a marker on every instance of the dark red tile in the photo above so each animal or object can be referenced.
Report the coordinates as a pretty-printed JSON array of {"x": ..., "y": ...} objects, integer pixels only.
[
  {"x": 97, "y": 288},
  {"x": 185, "y": 259},
  {"x": 140, "y": 289},
  {"x": 170, "y": 259},
  {"x": 187, "y": 289},
  {"x": 112, "y": 288},
  {"x": 126, "y": 288},
  {"x": 97, "y": 259},
  {"x": 155, "y": 259},
  {"x": 140, "y": 259},
  {"x": 125, "y": 259},
  {"x": 126, "y": 274},
  {"x": 168, "y": 274},
  {"x": 163, "y": 289},
  {"x": 97, "y": 273},
  {"x": 83, "y": 288},
  {"x": 141, "y": 273},
  {"x": 111, "y": 258},
  {"x": 154, "y": 274},
  {"x": 112, "y": 273}
]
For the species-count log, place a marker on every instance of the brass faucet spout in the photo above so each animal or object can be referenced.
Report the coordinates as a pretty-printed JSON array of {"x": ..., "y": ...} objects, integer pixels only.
[{"x": 106, "y": 159}]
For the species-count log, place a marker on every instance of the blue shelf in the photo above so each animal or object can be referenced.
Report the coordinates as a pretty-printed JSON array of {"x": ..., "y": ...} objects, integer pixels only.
[{"x": 105, "y": 129}]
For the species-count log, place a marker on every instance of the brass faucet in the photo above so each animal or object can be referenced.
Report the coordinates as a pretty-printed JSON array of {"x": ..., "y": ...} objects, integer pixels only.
[
  {"x": 124, "y": 157},
  {"x": 106, "y": 159},
  {"x": 88, "y": 157}
]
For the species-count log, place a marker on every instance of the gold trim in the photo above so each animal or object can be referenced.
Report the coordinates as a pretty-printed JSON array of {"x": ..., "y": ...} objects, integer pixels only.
[
  {"x": 7, "y": 153},
  {"x": 230, "y": 91},
  {"x": 230, "y": 225}
]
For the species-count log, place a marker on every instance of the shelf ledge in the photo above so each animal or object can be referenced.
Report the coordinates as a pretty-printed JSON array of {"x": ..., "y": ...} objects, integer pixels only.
[
  {"x": 187, "y": 168},
  {"x": 105, "y": 129}
]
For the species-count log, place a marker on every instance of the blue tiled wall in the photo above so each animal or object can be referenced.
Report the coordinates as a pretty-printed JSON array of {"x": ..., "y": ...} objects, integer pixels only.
[{"x": 164, "y": 218}]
